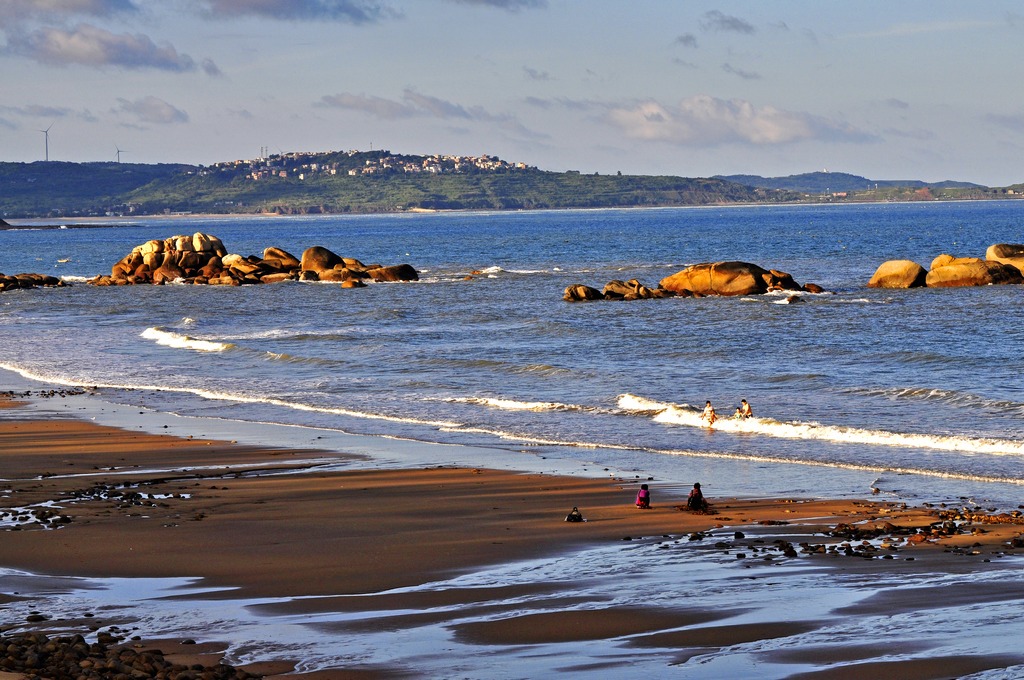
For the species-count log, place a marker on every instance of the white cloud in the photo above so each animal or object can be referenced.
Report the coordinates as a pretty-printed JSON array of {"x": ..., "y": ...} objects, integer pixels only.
[
  {"x": 706, "y": 121},
  {"x": 378, "y": 107},
  {"x": 19, "y": 10},
  {"x": 88, "y": 45},
  {"x": 152, "y": 110},
  {"x": 349, "y": 11}
]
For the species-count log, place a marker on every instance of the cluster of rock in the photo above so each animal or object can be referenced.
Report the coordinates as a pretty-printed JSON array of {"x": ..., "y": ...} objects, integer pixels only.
[
  {"x": 1003, "y": 264},
  {"x": 39, "y": 656},
  {"x": 203, "y": 259},
  {"x": 26, "y": 281},
  {"x": 699, "y": 280}
]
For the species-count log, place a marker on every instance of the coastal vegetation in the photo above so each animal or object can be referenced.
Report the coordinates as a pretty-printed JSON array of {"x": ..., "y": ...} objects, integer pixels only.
[{"x": 380, "y": 181}]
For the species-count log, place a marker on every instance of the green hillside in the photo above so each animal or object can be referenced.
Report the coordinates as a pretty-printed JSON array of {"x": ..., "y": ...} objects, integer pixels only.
[
  {"x": 57, "y": 188},
  {"x": 340, "y": 182}
]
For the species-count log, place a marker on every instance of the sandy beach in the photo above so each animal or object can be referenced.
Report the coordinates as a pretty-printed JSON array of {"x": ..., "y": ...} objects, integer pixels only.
[{"x": 269, "y": 524}]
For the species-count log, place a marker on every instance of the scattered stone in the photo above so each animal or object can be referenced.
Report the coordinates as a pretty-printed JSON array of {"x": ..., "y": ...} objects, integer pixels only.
[{"x": 39, "y": 656}]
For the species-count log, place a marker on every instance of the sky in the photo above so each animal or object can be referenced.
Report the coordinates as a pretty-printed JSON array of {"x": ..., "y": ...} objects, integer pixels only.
[{"x": 929, "y": 90}]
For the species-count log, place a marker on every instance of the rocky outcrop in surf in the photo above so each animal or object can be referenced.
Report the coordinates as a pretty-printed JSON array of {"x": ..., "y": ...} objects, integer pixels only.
[
  {"x": 699, "y": 280},
  {"x": 28, "y": 281},
  {"x": 728, "y": 278},
  {"x": 1003, "y": 264},
  {"x": 203, "y": 259},
  {"x": 898, "y": 274}
]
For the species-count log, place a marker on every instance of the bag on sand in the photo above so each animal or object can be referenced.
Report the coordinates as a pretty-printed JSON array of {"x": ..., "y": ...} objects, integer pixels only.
[{"x": 574, "y": 516}]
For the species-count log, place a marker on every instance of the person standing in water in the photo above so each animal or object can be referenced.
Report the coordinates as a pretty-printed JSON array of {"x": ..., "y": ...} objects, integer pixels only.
[
  {"x": 708, "y": 414},
  {"x": 745, "y": 411}
]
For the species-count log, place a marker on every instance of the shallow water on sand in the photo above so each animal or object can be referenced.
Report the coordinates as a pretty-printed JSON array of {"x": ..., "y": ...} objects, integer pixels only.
[{"x": 705, "y": 610}]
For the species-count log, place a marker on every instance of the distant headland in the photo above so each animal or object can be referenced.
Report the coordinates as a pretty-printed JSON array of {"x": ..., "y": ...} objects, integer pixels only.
[{"x": 338, "y": 182}]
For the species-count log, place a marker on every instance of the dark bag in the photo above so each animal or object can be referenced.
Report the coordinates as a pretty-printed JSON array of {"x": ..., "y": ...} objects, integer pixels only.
[{"x": 574, "y": 516}]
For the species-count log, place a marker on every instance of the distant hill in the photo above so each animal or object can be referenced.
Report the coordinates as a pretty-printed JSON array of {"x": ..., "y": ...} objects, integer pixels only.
[
  {"x": 824, "y": 182},
  {"x": 341, "y": 182},
  {"x": 57, "y": 188}
]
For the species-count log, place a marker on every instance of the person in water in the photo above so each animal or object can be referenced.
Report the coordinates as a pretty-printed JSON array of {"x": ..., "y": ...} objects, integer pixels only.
[
  {"x": 745, "y": 411},
  {"x": 696, "y": 502},
  {"x": 643, "y": 498},
  {"x": 708, "y": 414}
]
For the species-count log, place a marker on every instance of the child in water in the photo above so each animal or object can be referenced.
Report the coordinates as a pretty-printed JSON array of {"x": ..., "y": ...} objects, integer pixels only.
[
  {"x": 643, "y": 498},
  {"x": 708, "y": 414}
]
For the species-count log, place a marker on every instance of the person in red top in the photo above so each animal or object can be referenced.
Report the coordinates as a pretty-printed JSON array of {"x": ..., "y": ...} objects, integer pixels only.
[{"x": 643, "y": 498}]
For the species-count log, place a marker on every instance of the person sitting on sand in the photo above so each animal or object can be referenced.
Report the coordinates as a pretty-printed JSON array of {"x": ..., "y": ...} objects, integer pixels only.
[
  {"x": 696, "y": 501},
  {"x": 745, "y": 410},
  {"x": 708, "y": 414},
  {"x": 643, "y": 498}
]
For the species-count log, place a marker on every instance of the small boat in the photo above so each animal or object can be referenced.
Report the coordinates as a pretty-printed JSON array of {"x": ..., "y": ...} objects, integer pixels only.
[{"x": 64, "y": 259}]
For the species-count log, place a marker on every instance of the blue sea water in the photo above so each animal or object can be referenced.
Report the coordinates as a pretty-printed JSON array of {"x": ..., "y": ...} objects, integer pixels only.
[{"x": 916, "y": 392}]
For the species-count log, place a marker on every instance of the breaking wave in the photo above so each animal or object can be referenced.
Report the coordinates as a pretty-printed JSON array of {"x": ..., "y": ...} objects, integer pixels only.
[
  {"x": 673, "y": 414},
  {"x": 182, "y": 341}
]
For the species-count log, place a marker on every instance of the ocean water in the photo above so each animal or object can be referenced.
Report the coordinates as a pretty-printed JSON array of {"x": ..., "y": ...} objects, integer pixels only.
[{"x": 915, "y": 392}]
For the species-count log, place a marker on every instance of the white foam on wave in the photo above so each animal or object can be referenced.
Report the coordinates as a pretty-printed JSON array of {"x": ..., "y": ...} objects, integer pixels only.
[
  {"x": 514, "y": 405},
  {"x": 721, "y": 455},
  {"x": 181, "y": 341},
  {"x": 445, "y": 426},
  {"x": 673, "y": 414},
  {"x": 228, "y": 396}
]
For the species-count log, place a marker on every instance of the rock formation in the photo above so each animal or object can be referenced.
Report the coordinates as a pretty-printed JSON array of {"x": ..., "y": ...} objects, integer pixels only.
[
  {"x": 203, "y": 259},
  {"x": 699, "y": 280},
  {"x": 1006, "y": 253},
  {"x": 28, "y": 281},
  {"x": 728, "y": 278},
  {"x": 1003, "y": 264},
  {"x": 898, "y": 274},
  {"x": 971, "y": 271}
]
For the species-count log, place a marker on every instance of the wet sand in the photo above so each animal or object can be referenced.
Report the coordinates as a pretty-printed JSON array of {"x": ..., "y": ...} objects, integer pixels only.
[{"x": 275, "y": 523}]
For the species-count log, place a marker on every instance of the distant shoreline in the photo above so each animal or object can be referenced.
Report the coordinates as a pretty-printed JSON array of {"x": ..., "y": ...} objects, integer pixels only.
[{"x": 100, "y": 222}]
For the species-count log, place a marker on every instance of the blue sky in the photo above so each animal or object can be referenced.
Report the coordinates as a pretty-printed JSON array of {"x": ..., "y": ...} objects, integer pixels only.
[{"x": 889, "y": 90}]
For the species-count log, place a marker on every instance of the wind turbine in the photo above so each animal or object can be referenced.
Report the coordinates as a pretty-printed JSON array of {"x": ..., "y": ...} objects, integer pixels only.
[
  {"x": 47, "y": 133},
  {"x": 119, "y": 152}
]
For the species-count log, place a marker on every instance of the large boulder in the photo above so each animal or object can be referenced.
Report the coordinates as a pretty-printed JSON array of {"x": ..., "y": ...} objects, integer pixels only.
[
  {"x": 627, "y": 290},
  {"x": 727, "y": 278},
  {"x": 319, "y": 259},
  {"x": 969, "y": 271},
  {"x": 169, "y": 271},
  {"x": 1007, "y": 253},
  {"x": 898, "y": 274},
  {"x": 285, "y": 259},
  {"x": 580, "y": 293},
  {"x": 395, "y": 272}
]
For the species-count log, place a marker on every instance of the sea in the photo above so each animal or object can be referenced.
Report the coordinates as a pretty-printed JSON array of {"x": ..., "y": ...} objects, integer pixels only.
[{"x": 899, "y": 395}]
